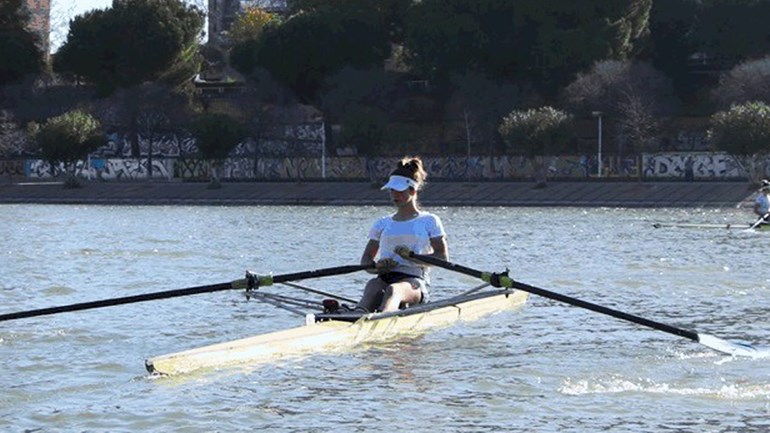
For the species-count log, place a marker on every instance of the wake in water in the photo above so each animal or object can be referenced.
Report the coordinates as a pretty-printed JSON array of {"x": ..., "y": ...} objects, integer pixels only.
[{"x": 617, "y": 385}]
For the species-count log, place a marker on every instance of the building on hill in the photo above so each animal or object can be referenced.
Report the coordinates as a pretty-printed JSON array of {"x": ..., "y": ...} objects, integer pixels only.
[
  {"x": 222, "y": 13},
  {"x": 40, "y": 22},
  {"x": 217, "y": 78}
]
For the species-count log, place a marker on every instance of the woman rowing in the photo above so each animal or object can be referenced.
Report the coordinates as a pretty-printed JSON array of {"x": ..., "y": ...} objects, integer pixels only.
[
  {"x": 401, "y": 281},
  {"x": 762, "y": 202}
]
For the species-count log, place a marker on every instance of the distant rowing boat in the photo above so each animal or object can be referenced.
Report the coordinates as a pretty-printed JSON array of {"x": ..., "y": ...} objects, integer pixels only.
[
  {"x": 763, "y": 227},
  {"x": 334, "y": 332}
]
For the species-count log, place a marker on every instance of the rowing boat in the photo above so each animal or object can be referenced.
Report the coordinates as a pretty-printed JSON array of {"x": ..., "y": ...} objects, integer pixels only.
[
  {"x": 761, "y": 227},
  {"x": 334, "y": 332}
]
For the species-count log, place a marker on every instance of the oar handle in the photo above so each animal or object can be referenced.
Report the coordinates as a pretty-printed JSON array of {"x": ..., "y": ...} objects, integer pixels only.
[{"x": 506, "y": 281}]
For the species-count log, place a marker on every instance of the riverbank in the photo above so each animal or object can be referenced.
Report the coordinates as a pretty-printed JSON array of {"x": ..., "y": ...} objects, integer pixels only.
[{"x": 574, "y": 194}]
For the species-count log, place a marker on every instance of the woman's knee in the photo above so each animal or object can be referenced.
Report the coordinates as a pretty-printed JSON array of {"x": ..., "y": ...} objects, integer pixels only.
[
  {"x": 372, "y": 287},
  {"x": 401, "y": 291}
]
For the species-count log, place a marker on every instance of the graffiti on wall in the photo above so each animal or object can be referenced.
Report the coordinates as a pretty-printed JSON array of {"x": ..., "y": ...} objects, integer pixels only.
[
  {"x": 701, "y": 165},
  {"x": 691, "y": 140},
  {"x": 191, "y": 168},
  {"x": 305, "y": 139},
  {"x": 691, "y": 165},
  {"x": 12, "y": 168},
  {"x": 102, "y": 169}
]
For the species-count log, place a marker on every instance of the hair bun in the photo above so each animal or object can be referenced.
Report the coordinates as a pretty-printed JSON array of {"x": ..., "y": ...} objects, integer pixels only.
[{"x": 412, "y": 168}]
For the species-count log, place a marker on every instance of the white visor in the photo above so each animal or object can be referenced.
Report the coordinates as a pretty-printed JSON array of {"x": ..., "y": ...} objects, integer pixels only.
[{"x": 400, "y": 183}]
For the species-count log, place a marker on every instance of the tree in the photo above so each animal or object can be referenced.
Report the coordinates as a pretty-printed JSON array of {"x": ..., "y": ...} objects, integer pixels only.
[
  {"x": 350, "y": 88},
  {"x": 20, "y": 48},
  {"x": 744, "y": 130},
  {"x": 321, "y": 42},
  {"x": 133, "y": 42},
  {"x": 248, "y": 24},
  {"x": 69, "y": 138},
  {"x": 481, "y": 103},
  {"x": 634, "y": 93},
  {"x": 544, "y": 42},
  {"x": 535, "y": 133},
  {"x": 443, "y": 37},
  {"x": 364, "y": 129},
  {"x": 748, "y": 81},
  {"x": 13, "y": 140},
  {"x": 733, "y": 30},
  {"x": 216, "y": 135},
  {"x": 143, "y": 111},
  {"x": 391, "y": 12},
  {"x": 672, "y": 42}
]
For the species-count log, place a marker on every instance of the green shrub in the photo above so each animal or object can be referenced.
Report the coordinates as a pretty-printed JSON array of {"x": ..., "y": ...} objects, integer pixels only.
[
  {"x": 69, "y": 138},
  {"x": 538, "y": 131},
  {"x": 742, "y": 130}
]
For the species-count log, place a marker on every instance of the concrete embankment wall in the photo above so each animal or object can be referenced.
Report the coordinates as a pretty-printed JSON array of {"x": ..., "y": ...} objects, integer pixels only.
[{"x": 578, "y": 194}]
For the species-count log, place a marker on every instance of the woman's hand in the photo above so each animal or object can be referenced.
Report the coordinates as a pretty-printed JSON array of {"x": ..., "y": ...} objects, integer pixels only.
[
  {"x": 403, "y": 251},
  {"x": 383, "y": 266}
]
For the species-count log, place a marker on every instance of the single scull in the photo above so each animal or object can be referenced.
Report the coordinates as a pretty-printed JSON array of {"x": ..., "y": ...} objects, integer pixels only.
[{"x": 338, "y": 331}]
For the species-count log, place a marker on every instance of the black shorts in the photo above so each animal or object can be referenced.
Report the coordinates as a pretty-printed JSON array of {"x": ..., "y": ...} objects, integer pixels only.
[{"x": 394, "y": 277}]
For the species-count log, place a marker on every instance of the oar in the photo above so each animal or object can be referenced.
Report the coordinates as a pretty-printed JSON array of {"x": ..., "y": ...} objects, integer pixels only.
[
  {"x": 761, "y": 219},
  {"x": 503, "y": 280},
  {"x": 251, "y": 281},
  {"x": 702, "y": 226}
]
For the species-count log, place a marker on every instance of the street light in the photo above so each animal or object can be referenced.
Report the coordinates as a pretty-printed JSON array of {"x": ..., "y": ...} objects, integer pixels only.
[{"x": 598, "y": 114}]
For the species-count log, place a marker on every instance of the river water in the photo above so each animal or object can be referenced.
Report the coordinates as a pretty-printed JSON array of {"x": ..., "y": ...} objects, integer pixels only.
[{"x": 545, "y": 368}]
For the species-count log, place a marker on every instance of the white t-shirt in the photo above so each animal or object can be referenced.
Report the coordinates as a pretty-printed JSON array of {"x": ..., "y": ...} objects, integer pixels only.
[{"x": 415, "y": 233}]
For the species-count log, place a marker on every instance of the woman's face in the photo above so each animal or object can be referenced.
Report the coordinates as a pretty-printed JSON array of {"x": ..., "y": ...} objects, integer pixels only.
[{"x": 401, "y": 198}]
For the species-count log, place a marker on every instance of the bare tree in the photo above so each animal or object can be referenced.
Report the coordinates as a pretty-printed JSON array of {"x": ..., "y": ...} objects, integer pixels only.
[
  {"x": 13, "y": 140},
  {"x": 748, "y": 81},
  {"x": 633, "y": 93},
  {"x": 637, "y": 121}
]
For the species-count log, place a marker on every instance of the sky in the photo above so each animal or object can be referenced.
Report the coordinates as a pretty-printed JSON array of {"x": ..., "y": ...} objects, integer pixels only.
[{"x": 64, "y": 10}]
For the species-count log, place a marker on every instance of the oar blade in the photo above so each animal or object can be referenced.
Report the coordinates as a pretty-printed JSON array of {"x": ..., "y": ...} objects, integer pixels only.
[{"x": 732, "y": 348}]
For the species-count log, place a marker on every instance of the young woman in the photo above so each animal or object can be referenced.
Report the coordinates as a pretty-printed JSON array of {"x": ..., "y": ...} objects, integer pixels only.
[
  {"x": 400, "y": 281},
  {"x": 762, "y": 202}
]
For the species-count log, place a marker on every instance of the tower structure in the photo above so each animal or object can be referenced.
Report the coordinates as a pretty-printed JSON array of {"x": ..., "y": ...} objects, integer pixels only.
[
  {"x": 222, "y": 13},
  {"x": 40, "y": 22}
]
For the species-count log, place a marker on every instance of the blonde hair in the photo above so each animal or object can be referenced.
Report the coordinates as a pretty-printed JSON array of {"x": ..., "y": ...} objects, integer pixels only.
[{"x": 411, "y": 167}]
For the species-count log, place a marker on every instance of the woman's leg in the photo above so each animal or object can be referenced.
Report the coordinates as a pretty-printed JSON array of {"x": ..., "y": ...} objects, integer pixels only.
[
  {"x": 402, "y": 292},
  {"x": 373, "y": 293}
]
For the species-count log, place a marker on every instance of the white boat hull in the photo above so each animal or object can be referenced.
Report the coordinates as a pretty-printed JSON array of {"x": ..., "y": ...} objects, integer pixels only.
[{"x": 335, "y": 335}]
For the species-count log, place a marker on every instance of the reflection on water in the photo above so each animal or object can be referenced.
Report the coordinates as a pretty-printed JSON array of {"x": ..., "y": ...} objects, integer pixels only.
[{"x": 548, "y": 367}]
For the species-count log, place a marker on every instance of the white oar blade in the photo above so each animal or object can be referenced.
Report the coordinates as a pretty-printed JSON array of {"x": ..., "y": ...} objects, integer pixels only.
[{"x": 734, "y": 349}]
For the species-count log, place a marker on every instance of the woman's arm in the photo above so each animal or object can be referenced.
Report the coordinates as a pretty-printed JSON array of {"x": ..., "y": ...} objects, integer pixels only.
[
  {"x": 370, "y": 252},
  {"x": 439, "y": 248}
]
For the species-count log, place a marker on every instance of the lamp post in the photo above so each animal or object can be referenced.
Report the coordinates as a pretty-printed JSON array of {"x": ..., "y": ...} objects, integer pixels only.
[{"x": 598, "y": 114}]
